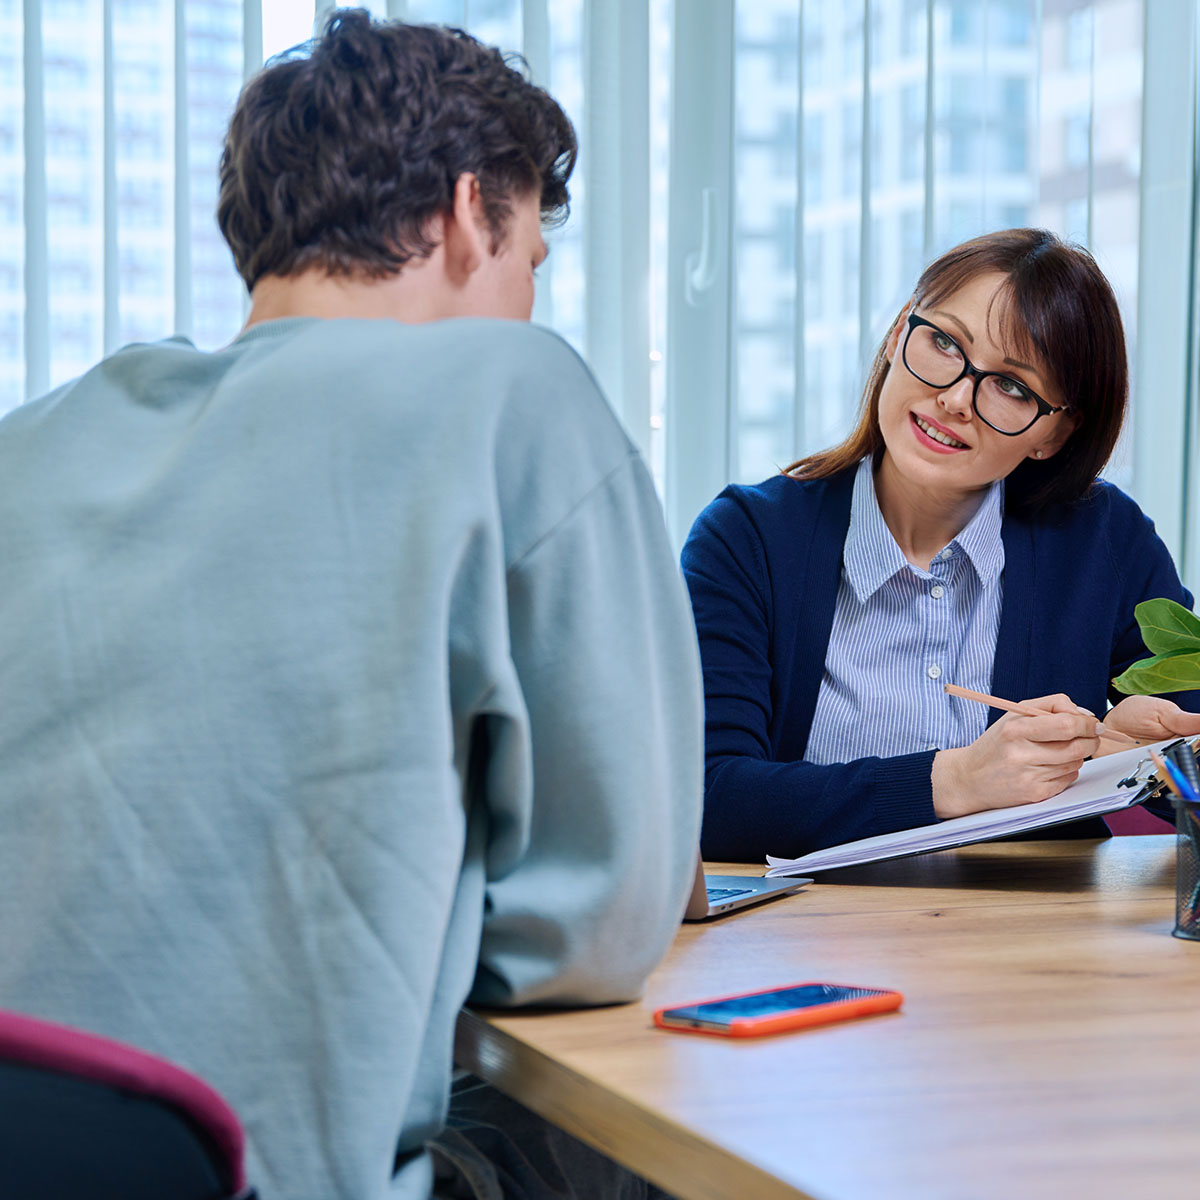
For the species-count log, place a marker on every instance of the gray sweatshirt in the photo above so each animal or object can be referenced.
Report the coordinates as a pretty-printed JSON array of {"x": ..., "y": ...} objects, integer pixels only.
[{"x": 348, "y": 673}]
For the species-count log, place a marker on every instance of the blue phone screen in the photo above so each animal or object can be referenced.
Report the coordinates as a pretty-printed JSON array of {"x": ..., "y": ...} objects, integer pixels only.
[{"x": 764, "y": 1004}]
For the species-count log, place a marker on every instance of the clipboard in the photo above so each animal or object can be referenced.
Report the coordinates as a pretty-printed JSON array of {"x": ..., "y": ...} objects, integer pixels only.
[{"x": 1109, "y": 784}]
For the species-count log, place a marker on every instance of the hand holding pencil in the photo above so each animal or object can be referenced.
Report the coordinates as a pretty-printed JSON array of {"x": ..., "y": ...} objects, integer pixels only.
[
  {"x": 1029, "y": 708},
  {"x": 1031, "y": 753},
  {"x": 1133, "y": 722}
]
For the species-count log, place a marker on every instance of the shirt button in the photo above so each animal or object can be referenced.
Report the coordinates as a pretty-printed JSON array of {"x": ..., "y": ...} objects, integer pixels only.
[
  {"x": 937, "y": 591},
  {"x": 947, "y": 553},
  {"x": 934, "y": 672}
]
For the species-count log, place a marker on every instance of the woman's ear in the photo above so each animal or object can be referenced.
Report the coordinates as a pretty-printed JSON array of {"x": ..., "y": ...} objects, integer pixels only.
[
  {"x": 898, "y": 330},
  {"x": 1057, "y": 433}
]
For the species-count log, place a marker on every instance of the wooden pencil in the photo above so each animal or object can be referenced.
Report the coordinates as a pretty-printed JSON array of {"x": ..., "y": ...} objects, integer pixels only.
[{"x": 1009, "y": 706}]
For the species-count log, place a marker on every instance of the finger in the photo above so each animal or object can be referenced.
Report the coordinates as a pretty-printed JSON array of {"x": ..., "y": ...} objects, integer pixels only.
[
  {"x": 1052, "y": 779},
  {"x": 1058, "y": 726},
  {"x": 1059, "y": 783},
  {"x": 1059, "y": 755},
  {"x": 1042, "y": 789},
  {"x": 1055, "y": 703},
  {"x": 1117, "y": 738},
  {"x": 1180, "y": 722}
]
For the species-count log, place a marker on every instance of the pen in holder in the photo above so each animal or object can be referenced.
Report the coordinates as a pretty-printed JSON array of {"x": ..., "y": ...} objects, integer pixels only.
[{"x": 1180, "y": 773}]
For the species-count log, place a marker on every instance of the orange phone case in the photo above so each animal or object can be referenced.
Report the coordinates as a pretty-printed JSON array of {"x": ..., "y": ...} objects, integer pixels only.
[{"x": 880, "y": 1000}]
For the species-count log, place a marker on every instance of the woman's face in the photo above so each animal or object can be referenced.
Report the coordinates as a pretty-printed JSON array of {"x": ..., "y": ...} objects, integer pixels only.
[{"x": 933, "y": 437}]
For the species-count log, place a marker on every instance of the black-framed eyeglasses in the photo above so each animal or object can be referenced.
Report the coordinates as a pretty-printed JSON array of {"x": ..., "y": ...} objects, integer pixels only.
[{"x": 1001, "y": 402}]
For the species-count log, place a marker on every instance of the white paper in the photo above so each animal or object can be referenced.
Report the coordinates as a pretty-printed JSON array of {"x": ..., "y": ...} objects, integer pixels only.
[{"x": 1094, "y": 793}]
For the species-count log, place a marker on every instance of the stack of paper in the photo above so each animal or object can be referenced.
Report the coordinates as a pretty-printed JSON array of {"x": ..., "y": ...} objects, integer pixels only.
[{"x": 1096, "y": 791}]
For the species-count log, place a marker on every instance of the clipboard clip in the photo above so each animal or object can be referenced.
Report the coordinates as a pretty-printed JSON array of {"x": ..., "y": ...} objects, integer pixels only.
[
  {"x": 1145, "y": 777},
  {"x": 1141, "y": 776}
]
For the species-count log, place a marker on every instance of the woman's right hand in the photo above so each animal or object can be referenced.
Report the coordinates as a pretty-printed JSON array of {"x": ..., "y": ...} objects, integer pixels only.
[{"x": 1018, "y": 760}]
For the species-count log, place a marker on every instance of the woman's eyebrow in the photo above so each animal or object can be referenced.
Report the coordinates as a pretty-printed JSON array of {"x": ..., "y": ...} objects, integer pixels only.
[
  {"x": 951, "y": 317},
  {"x": 1012, "y": 362}
]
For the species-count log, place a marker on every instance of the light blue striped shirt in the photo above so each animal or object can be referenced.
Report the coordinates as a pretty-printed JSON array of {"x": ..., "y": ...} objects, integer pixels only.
[{"x": 900, "y": 633}]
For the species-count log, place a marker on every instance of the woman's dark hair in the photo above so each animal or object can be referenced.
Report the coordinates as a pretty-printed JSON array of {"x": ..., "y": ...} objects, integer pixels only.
[
  {"x": 340, "y": 153},
  {"x": 1058, "y": 306}
]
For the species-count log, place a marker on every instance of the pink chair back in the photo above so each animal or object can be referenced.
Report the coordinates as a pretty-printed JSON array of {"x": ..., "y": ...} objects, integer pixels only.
[{"x": 59, "y": 1050}]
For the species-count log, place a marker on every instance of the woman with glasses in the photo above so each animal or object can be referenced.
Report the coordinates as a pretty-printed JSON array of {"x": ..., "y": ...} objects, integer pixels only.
[{"x": 958, "y": 535}]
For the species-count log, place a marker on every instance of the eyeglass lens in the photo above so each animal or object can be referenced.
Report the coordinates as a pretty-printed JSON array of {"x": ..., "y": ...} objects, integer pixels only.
[{"x": 935, "y": 357}]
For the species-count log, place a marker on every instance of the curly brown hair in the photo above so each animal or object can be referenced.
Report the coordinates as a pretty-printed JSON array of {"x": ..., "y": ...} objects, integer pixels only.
[{"x": 340, "y": 153}]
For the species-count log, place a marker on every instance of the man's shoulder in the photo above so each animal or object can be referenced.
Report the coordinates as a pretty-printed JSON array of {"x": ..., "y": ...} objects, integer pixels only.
[
  {"x": 472, "y": 369},
  {"x": 502, "y": 349},
  {"x": 503, "y": 401}
]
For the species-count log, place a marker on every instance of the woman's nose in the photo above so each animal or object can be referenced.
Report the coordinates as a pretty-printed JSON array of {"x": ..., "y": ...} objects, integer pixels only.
[{"x": 957, "y": 399}]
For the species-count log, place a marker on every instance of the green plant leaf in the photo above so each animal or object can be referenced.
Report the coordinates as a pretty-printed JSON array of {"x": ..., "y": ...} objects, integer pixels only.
[
  {"x": 1167, "y": 627},
  {"x": 1179, "y": 672}
]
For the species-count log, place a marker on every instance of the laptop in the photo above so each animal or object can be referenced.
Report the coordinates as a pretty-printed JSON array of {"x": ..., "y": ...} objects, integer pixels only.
[{"x": 715, "y": 895}]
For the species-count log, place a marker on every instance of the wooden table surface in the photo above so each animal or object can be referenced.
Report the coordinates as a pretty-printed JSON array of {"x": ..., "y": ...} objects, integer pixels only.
[{"x": 1049, "y": 1044}]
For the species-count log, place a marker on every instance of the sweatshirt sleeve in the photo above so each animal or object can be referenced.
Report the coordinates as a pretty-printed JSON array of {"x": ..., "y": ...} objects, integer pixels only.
[
  {"x": 605, "y": 652},
  {"x": 755, "y": 804}
]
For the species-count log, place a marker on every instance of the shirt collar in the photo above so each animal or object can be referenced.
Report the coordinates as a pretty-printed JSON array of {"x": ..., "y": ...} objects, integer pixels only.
[
  {"x": 872, "y": 556},
  {"x": 981, "y": 541}
]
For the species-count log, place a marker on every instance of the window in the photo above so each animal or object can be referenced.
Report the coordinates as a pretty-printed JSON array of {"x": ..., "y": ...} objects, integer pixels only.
[
  {"x": 1077, "y": 134},
  {"x": 911, "y": 147},
  {"x": 913, "y": 27},
  {"x": 814, "y": 157},
  {"x": 1077, "y": 43},
  {"x": 1010, "y": 22},
  {"x": 1000, "y": 113},
  {"x": 966, "y": 22}
]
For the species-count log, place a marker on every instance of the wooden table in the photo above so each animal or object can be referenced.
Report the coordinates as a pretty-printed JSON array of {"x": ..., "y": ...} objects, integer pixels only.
[{"x": 1049, "y": 1045}]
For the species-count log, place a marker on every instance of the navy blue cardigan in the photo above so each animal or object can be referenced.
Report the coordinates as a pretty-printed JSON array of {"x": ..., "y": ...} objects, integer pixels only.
[{"x": 763, "y": 563}]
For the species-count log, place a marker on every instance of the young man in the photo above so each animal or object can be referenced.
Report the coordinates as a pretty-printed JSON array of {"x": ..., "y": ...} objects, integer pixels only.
[{"x": 349, "y": 674}]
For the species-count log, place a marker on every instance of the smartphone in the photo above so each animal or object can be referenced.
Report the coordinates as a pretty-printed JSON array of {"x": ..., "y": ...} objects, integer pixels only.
[{"x": 774, "y": 1010}]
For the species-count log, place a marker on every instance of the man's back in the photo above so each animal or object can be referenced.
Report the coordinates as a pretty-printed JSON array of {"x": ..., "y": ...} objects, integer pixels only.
[{"x": 306, "y": 644}]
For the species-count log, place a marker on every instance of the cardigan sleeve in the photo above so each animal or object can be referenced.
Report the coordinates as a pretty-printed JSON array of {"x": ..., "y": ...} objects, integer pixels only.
[{"x": 755, "y": 801}]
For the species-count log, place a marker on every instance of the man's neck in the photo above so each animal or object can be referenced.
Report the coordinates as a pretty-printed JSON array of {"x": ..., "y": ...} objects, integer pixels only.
[{"x": 411, "y": 296}]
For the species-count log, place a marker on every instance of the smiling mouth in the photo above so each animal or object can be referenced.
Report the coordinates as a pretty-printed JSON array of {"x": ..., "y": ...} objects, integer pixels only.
[{"x": 937, "y": 435}]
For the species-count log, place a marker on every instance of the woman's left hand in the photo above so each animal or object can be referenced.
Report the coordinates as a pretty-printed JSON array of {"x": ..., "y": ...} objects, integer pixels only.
[{"x": 1149, "y": 719}]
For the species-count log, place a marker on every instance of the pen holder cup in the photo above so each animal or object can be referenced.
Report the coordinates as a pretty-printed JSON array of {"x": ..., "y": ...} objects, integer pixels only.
[{"x": 1187, "y": 870}]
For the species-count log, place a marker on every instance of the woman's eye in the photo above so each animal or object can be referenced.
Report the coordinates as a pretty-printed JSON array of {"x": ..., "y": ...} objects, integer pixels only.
[
  {"x": 1012, "y": 389},
  {"x": 943, "y": 343}
]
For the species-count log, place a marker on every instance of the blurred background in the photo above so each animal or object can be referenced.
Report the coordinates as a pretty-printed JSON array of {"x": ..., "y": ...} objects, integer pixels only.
[{"x": 760, "y": 183}]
